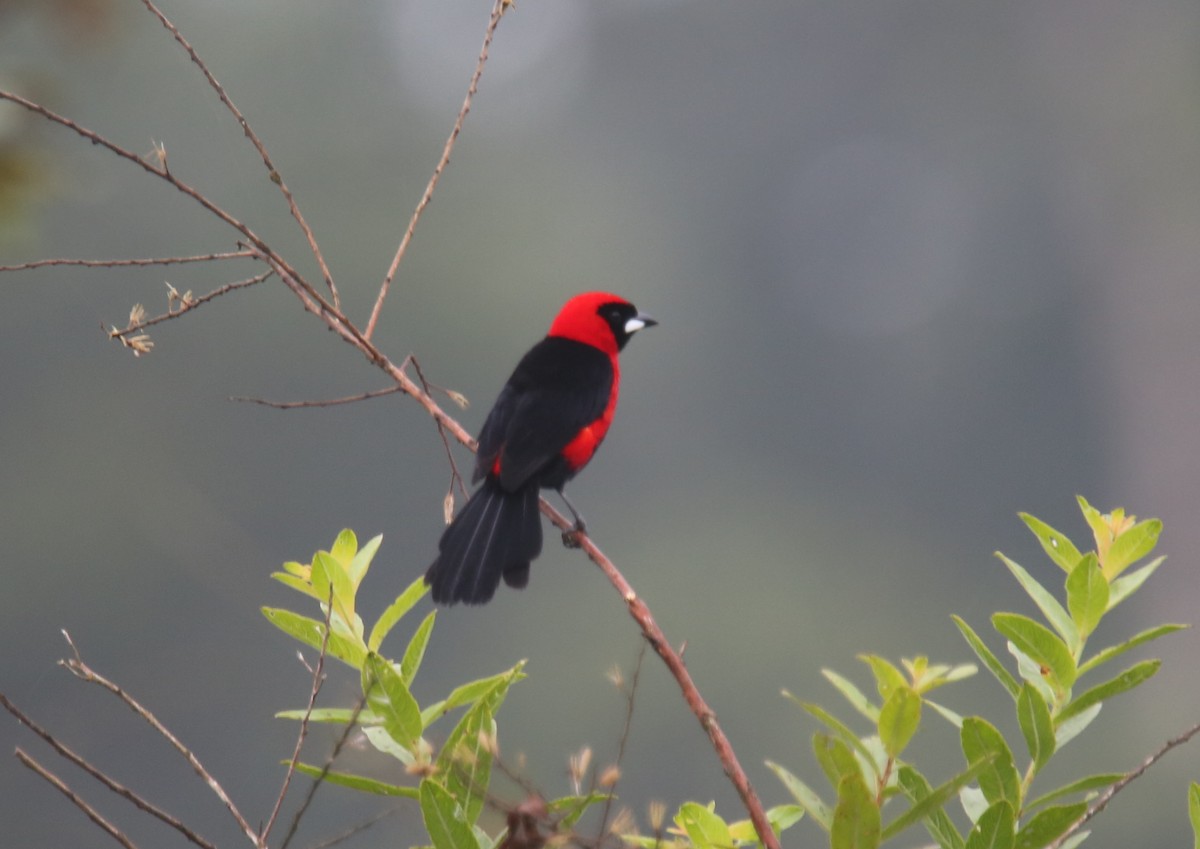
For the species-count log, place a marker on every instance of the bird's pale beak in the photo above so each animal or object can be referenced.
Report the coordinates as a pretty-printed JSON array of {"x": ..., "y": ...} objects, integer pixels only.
[{"x": 638, "y": 322}]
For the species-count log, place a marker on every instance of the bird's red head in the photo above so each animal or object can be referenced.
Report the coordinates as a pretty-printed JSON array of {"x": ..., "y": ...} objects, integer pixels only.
[{"x": 599, "y": 319}]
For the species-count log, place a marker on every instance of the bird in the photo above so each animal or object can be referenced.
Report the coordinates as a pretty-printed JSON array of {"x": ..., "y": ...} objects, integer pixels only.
[{"x": 546, "y": 424}]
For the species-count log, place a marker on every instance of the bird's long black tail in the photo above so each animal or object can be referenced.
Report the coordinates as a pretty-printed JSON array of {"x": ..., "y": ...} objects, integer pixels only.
[{"x": 494, "y": 536}]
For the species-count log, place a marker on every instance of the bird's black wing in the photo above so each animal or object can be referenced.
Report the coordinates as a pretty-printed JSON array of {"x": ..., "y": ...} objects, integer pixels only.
[{"x": 558, "y": 388}]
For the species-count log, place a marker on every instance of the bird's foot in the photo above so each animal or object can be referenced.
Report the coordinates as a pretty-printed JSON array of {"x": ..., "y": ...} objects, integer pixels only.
[{"x": 574, "y": 537}]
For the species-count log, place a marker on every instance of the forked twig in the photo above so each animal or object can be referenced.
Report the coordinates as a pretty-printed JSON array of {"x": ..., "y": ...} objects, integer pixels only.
[
  {"x": 272, "y": 171},
  {"x": 85, "y": 673},
  {"x": 498, "y": 9},
  {"x": 120, "y": 789},
  {"x": 190, "y": 304},
  {"x": 61, "y": 786},
  {"x": 332, "y": 402}
]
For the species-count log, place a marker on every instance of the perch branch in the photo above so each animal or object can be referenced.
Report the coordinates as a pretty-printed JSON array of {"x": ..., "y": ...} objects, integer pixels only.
[
  {"x": 332, "y": 402},
  {"x": 118, "y": 263},
  {"x": 61, "y": 786}
]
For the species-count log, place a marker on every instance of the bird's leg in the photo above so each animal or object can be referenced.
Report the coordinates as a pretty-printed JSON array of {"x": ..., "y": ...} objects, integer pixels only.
[{"x": 571, "y": 538}]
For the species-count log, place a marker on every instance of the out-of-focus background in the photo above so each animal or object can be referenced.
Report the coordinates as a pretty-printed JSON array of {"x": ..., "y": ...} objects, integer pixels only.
[{"x": 918, "y": 266}]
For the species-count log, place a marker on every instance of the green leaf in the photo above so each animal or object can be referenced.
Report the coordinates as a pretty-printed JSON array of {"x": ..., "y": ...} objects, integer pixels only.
[
  {"x": 813, "y": 805},
  {"x": 356, "y": 782},
  {"x": 1194, "y": 810},
  {"x": 411, "y": 662},
  {"x": 388, "y": 696},
  {"x": 1058, "y": 618},
  {"x": 1033, "y": 715},
  {"x": 1083, "y": 785},
  {"x": 567, "y": 810},
  {"x": 472, "y": 691},
  {"x": 339, "y": 716},
  {"x": 899, "y": 719},
  {"x": 1109, "y": 653},
  {"x": 887, "y": 676},
  {"x": 855, "y": 817},
  {"x": 361, "y": 562},
  {"x": 1041, "y": 645},
  {"x": 928, "y": 804},
  {"x": 328, "y": 572},
  {"x": 953, "y": 717},
  {"x": 853, "y": 695},
  {"x": 703, "y": 827},
  {"x": 1131, "y": 546},
  {"x": 1122, "y": 588},
  {"x": 1095, "y": 519},
  {"x": 1068, "y": 730},
  {"x": 835, "y": 758},
  {"x": 444, "y": 820},
  {"x": 1127, "y": 680},
  {"x": 1058, "y": 546},
  {"x": 994, "y": 829},
  {"x": 395, "y": 612},
  {"x": 344, "y": 547},
  {"x": 989, "y": 660},
  {"x": 781, "y": 818},
  {"x": 300, "y": 584},
  {"x": 1047, "y": 825},
  {"x": 837, "y": 727},
  {"x": 999, "y": 781},
  {"x": 312, "y": 633},
  {"x": 1087, "y": 595}
]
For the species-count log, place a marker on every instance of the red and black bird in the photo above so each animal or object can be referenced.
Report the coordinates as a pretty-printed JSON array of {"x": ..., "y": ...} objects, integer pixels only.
[{"x": 548, "y": 421}]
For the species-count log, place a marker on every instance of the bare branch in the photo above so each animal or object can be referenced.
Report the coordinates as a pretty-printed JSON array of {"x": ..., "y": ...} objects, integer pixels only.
[
  {"x": 454, "y": 473},
  {"x": 118, "y": 263},
  {"x": 272, "y": 171},
  {"x": 332, "y": 402},
  {"x": 100, "y": 776},
  {"x": 318, "y": 680},
  {"x": 90, "y": 812},
  {"x": 630, "y": 694},
  {"x": 498, "y": 9},
  {"x": 84, "y": 672},
  {"x": 190, "y": 304},
  {"x": 1101, "y": 803}
]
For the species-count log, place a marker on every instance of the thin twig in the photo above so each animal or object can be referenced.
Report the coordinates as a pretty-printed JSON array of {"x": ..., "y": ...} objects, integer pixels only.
[
  {"x": 455, "y": 476},
  {"x": 332, "y": 402},
  {"x": 84, "y": 672},
  {"x": 498, "y": 9},
  {"x": 630, "y": 694},
  {"x": 318, "y": 680},
  {"x": 118, "y": 263},
  {"x": 1102, "y": 802},
  {"x": 272, "y": 171},
  {"x": 61, "y": 786},
  {"x": 120, "y": 789},
  {"x": 191, "y": 304}
]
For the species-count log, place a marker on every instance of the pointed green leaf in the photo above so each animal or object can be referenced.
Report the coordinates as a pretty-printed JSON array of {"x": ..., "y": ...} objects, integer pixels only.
[
  {"x": 344, "y": 547},
  {"x": 928, "y": 804},
  {"x": 567, "y": 810},
  {"x": 781, "y": 818},
  {"x": 1067, "y": 730},
  {"x": 887, "y": 676},
  {"x": 1058, "y": 618},
  {"x": 999, "y": 780},
  {"x": 837, "y": 727},
  {"x": 472, "y": 691},
  {"x": 1095, "y": 519},
  {"x": 328, "y": 572},
  {"x": 312, "y": 633},
  {"x": 1122, "y": 588},
  {"x": 339, "y": 716},
  {"x": 834, "y": 757},
  {"x": 388, "y": 696},
  {"x": 444, "y": 820},
  {"x": 989, "y": 660},
  {"x": 1083, "y": 785},
  {"x": 1131, "y": 546},
  {"x": 813, "y": 805},
  {"x": 1127, "y": 680},
  {"x": 853, "y": 695},
  {"x": 1194, "y": 810},
  {"x": 413, "y": 655},
  {"x": 355, "y": 782},
  {"x": 1048, "y": 825},
  {"x": 1040, "y": 643},
  {"x": 1109, "y": 653},
  {"x": 703, "y": 827},
  {"x": 395, "y": 611},
  {"x": 361, "y": 562},
  {"x": 855, "y": 817},
  {"x": 300, "y": 584},
  {"x": 898, "y": 720},
  {"x": 994, "y": 828},
  {"x": 1058, "y": 546},
  {"x": 1087, "y": 595},
  {"x": 1033, "y": 715},
  {"x": 1031, "y": 673},
  {"x": 953, "y": 717}
]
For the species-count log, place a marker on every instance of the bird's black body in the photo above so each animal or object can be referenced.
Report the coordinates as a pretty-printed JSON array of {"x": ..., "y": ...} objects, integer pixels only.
[{"x": 545, "y": 426}]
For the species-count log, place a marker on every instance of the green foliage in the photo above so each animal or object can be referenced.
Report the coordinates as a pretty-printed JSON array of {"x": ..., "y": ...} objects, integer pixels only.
[{"x": 866, "y": 771}]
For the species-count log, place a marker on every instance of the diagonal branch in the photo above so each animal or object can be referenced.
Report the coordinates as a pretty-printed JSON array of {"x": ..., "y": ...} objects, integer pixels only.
[
  {"x": 118, "y": 263},
  {"x": 190, "y": 304},
  {"x": 498, "y": 9},
  {"x": 274, "y": 174},
  {"x": 61, "y": 786}
]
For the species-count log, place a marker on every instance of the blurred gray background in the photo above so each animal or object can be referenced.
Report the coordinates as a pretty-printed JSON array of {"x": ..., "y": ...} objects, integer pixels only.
[{"x": 918, "y": 266}]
